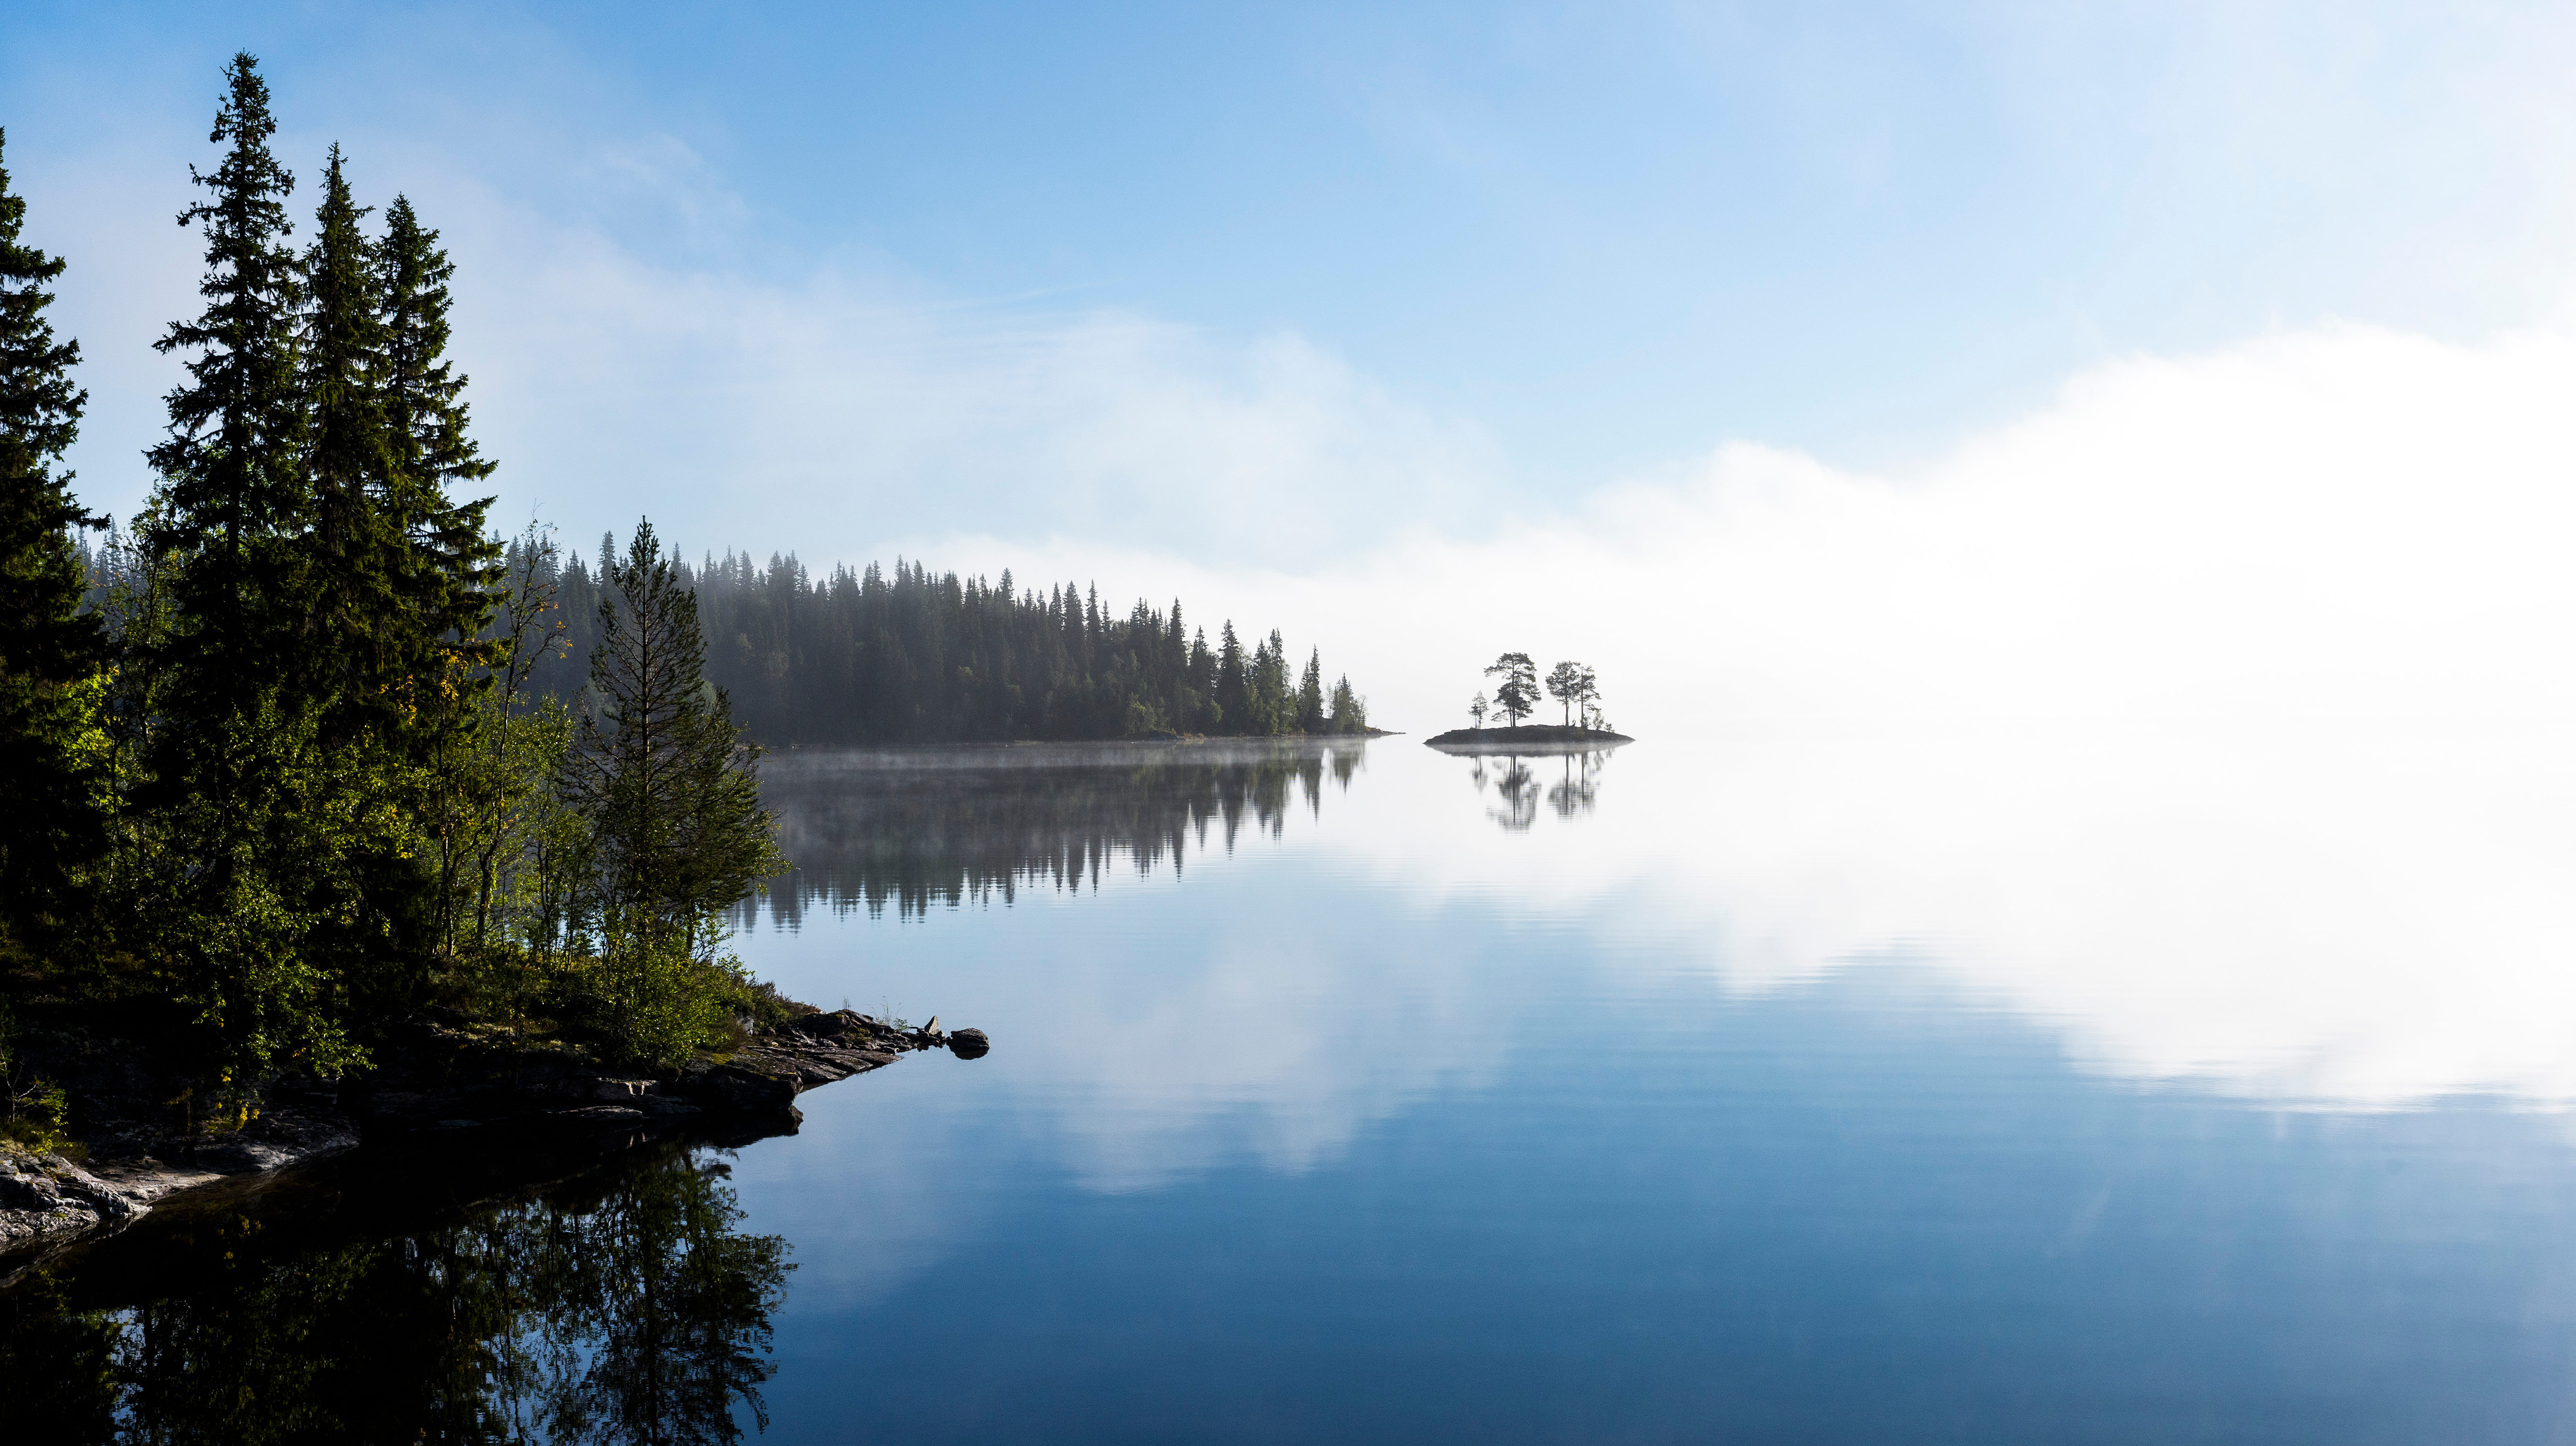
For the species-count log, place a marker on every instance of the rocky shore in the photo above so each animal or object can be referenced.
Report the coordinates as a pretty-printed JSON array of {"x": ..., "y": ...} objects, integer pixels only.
[{"x": 437, "y": 1075}]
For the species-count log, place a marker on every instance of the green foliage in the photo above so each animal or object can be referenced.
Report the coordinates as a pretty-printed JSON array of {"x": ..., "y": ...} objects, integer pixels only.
[
  {"x": 496, "y": 829},
  {"x": 1310, "y": 695},
  {"x": 299, "y": 664},
  {"x": 670, "y": 833},
  {"x": 649, "y": 991},
  {"x": 670, "y": 788},
  {"x": 32, "y": 1108},
  {"x": 52, "y": 655},
  {"x": 1349, "y": 712}
]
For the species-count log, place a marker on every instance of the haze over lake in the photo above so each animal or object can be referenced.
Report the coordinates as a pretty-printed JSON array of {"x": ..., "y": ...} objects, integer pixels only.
[
  {"x": 1677, "y": 1108},
  {"x": 2067, "y": 509}
]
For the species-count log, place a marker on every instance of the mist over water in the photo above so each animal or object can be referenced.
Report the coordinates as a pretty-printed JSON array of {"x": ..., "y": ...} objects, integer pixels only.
[
  {"x": 2218, "y": 711},
  {"x": 1943, "y": 1063}
]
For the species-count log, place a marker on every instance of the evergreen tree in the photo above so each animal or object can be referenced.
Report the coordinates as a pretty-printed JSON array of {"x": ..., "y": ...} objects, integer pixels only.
[
  {"x": 250, "y": 819},
  {"x": 670, "y": 795},
  {"x": 1310, "y": 694},
  {"x": 671, "y": 790},
  {"x": 1350, "y": 714},
  {"x": 902, "y": 655},
  {"x": 1203, "y": 683},
  {"x": 233, "y": 505},
  {"x": 1517, "y": 695},
  {"x": 1274, "y": 708},
  {"x": 440, "y": 570},
  {"x": 452, "y": 565},
  {"x": 1233, "y": 699},
  {"x": 356, "y": 561},
  {"x": 51, "y": 652}
]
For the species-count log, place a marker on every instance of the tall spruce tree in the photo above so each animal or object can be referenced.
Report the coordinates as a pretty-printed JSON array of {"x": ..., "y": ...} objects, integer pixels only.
[
  {"x": 51, "y": 652},
  {"x": 250, "y": 819},
  {"x": 1310, "y": 694},
  {"x": 453, "y": 564},
  {"x": 233, "y": 503},
  {"x": 356, "y": 554},
  {"x": 1233, "y": 698}
]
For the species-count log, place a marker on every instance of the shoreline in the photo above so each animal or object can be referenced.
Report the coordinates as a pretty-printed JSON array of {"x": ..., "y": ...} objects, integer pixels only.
[
  {"x": 1003, "y": 745},
  {"x": 438, "y": 1081}
]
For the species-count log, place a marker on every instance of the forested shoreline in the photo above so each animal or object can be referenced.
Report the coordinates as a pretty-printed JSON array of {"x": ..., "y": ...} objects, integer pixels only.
[
  {"x": 281, "y": 776},
  {"x": 906, "y": 655},
  {"x": 304, "y": 750}
]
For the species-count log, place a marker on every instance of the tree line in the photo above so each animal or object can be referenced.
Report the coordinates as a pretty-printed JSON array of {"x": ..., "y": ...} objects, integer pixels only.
[
  {"x": 871, "y": 656},
  {"x": 278, "y": 764}
]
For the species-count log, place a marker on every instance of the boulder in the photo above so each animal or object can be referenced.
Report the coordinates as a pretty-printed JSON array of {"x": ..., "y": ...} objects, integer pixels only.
[{"x": 968, "y": 1043}]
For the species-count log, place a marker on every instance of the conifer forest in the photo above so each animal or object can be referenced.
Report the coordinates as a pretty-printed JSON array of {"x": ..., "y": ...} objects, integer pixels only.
[{"x": 304, "y": 746}]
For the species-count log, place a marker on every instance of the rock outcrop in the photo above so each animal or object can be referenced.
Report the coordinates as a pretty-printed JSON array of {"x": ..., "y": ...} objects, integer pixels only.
[{"x": 435, "y": 1073}]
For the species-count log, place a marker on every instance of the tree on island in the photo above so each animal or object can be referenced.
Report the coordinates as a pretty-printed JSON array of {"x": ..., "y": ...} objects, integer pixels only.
[
  {"x": 1573, "y": 686},
  {"x": 1478, "y": 709},
  {"x": 1517, "y": 697}
]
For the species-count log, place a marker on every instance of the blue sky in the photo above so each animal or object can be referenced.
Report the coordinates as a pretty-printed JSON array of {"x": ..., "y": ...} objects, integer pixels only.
[{"x": 843, "y": 277}]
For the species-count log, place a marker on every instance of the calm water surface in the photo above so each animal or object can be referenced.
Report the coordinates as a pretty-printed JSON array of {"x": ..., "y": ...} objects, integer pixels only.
[{"x": 1365, "y": 1094}]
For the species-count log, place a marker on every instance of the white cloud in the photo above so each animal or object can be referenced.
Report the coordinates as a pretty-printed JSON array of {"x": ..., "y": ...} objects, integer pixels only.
[
  {"x": 853, "y": 405},
  {"x": 2218, "y": 713}
]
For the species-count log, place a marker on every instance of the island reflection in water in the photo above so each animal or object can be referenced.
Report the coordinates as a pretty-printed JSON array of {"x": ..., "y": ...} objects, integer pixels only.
[
  {"x": 620, "y": 1305},
  {"x": 1521, "y": 782},
  {"x": 914, "y": 828}
]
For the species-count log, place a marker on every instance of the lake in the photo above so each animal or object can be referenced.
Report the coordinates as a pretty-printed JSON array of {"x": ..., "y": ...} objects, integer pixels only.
[{"x": 2021, "y": 1089}]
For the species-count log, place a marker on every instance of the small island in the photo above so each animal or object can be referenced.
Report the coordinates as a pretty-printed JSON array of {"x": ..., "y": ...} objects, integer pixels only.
[
  {"x": 1537, "y": 738},
  {"x": 1573, "y": 685}
]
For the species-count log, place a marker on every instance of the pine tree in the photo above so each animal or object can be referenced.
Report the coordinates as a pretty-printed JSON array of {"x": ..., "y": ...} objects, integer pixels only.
[
  {"x": 1310, "y": 694},
  {"x": 1572, "y": 685},
  {"x": 1517, "y": 695},
  {"x": 51, "y": 652}
]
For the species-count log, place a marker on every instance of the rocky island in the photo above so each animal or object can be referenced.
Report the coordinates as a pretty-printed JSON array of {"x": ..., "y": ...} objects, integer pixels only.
[{"x": 1537, "y": 738}]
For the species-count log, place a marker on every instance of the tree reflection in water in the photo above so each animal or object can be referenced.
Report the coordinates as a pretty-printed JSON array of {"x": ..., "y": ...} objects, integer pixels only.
[
  {"x": 921, "y": 827},
  {"x": 1516, "y": 781},
  {"x": 622, "y": 1308}
]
